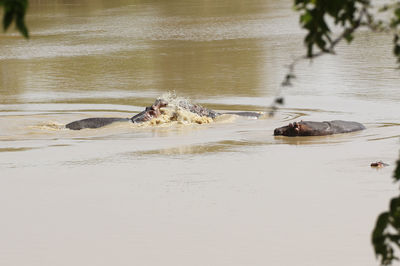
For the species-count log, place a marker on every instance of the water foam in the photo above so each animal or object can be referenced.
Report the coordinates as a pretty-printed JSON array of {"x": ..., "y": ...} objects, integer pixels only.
[
  {"x": 49, "y": 125},
  {"x": 177, "y": 112}
]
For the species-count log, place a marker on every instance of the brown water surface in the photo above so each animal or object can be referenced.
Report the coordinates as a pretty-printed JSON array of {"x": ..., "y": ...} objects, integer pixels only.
[{"x": 221, "y": 193}]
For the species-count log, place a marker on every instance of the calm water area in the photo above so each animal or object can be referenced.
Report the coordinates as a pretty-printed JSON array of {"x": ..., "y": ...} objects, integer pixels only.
[{"x": 222, "y": 193}]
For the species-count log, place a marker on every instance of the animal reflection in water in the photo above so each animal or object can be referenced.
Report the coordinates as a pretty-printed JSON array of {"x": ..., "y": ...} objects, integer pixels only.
[{"x": 151, "y": 112}]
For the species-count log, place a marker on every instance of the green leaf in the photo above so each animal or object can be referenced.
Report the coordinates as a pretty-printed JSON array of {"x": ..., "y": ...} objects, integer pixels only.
[
  {"x": 396, "y": 175},
  {"x": 7, "y": 19},
  {"x": 348, "y": 37},
  {"x": 396, "y": 49},
  {"x": 397, "y": 12},
  {"x": 15, "y": 10},
  {"x": 380, "y": 227},
  {"x": 305, "y": 18},
  {"x": 20, "y": 23},
  {"x": 394, "y": 206}
]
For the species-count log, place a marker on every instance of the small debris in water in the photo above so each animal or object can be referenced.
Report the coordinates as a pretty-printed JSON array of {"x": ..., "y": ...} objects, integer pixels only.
[{"x": 379, "y": 164}]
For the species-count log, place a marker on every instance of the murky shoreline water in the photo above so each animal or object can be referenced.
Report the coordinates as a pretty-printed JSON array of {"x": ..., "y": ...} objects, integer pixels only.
[{"x": 221, "y": 193}]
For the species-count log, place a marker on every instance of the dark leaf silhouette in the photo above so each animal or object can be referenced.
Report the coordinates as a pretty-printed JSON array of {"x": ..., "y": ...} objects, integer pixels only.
[{"x": 15, "y": 10}]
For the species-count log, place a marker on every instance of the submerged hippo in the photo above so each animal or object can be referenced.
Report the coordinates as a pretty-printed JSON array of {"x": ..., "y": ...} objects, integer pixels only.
[
  {"x": 311, "y": 128},
  {"x": 146, "y": 115},
  {"x": 203, "y": 111}
]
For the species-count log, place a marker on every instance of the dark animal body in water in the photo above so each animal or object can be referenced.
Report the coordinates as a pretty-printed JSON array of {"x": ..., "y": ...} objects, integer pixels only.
[
  {"x": 246, "y": 114},
  {"x": 149, "y": 113},
  {"x": 94, "y": 122},
  {"x": 202, "y": 111},
  {"x": 311, "y": 128},
  {"x": 146, "y": 115}
]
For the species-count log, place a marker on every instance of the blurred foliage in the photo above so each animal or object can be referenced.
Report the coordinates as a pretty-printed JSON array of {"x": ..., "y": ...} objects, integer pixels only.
[
  {"x": 386, "y": 234},
  {"x": 15, "y": 10},
  {"x": 318, "y": 17},
  {"x": 322, "y": 19},
  {"x": 315, "y": 16}
]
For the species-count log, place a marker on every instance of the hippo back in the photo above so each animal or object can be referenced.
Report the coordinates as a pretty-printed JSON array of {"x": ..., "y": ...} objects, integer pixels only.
[
  {"x": 94, "y": 122},
  {"x": 312, "y": 128},
  {"x": 340, "y": 126}
]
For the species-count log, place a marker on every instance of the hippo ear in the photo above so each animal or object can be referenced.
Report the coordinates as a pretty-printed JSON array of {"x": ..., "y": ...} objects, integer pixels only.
[
  {"x": 295, "y": 124},
  {"x": 290, "y": 125}
]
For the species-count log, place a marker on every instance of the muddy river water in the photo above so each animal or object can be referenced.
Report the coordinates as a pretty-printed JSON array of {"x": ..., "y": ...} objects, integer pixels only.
[{"x": 220, "y": 193}]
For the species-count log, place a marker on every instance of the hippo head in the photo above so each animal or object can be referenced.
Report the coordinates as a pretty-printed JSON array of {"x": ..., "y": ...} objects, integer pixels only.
[
  {"x": 292, "y": 130},
  {"x": 154, "y": 110},
  {"x": 160, "y": 103},
  {"x": 150, "y": 112}
]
